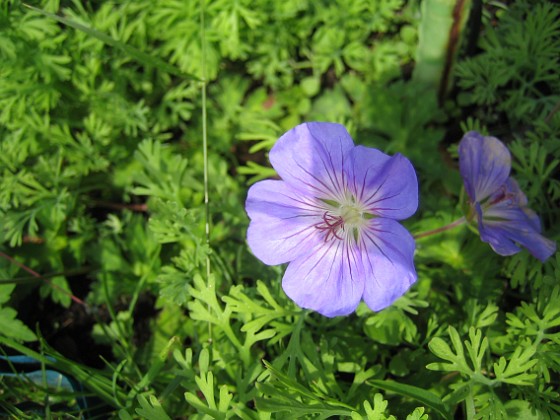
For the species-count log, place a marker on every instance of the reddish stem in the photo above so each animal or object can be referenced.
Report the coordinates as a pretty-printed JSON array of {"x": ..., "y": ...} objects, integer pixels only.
[
  {"x": 551, "y": 114},
  {"x": 35, "y": 274},
  {"x": 118, "y": 206},
  {"x": 441, "y": 229},
  {"x": 33, "y": 240}
]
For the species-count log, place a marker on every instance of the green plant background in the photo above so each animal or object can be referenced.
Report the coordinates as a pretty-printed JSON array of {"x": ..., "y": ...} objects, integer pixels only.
[{"x": 129, "y": 134}]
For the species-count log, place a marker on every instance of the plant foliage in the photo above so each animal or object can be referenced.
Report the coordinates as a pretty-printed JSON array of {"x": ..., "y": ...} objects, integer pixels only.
[{"x": 129, "y": 134}]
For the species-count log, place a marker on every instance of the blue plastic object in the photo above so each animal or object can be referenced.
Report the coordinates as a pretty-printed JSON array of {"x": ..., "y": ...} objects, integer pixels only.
[{"x": 24, "y": 366}]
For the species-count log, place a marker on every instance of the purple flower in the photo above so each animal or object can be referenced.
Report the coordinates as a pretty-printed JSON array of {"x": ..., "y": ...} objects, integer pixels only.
[
  {"x": 333, "y": 217},
  {"x": 504, "y": 220}
]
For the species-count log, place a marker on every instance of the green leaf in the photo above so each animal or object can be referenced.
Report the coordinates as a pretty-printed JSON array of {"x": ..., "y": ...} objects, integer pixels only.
[
  {"x": 427, "y": 398},
  {"x": 6, "y": 290},
  {"x": 12, "y": 327},
  {"x": 417, "y": 414},
  {"x": 95, "y": 380},
  {"x": 138, "y": 55},
  {"x": 521, "y": 410},
  {"x": 455, "y": 358},
  {"x": 515, "y": 370},
  {"x": 377, "y": 412},
  {"x": 393, "y": 325},
  {"x": 205, "y": 383},
  {"x": 151, "y": 409},
  {"x": 285, "y": 393},
  {"x": 476, "y": 348}
]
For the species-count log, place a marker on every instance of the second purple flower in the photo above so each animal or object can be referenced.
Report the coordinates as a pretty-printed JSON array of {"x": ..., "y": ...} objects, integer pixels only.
[
  {"x": 333, "y": 218},
  {"x": 503, "y": 218}
]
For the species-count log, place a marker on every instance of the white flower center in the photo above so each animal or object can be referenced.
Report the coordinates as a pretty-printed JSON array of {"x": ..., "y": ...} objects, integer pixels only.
[
  {"x": 351, "y": 215},
  {"x": 343, "y": 221}
]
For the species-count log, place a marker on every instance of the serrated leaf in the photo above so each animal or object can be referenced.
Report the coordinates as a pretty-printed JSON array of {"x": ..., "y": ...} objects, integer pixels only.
[
  {"x": 417, "y": 414},
  {"x": 457, "y": 359},
  {"x": 419, "y": 394},
  {"x": 377, "y": 412},
  {"x": 205, "y": 383},
  {"x": 133, "y": 52},
  {"x": 204, "y": 360},
  {"x": 476, "y": 348},
  {"x": 6, "y": 292},
  {"x": 151, "y": 409},
  {"x": 12, "y": 327},
  {"x": 515, "y": 370}
]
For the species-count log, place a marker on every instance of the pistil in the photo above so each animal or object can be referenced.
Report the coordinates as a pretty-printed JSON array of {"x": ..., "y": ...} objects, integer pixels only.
[{"x": 345, "y": 218}]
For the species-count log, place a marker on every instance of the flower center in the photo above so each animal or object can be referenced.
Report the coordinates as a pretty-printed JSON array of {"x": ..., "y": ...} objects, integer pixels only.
[
  {"x": 343, "y": 220},
  {"x": 351, "y": 216},
  {"x": 502, "y": 198}
]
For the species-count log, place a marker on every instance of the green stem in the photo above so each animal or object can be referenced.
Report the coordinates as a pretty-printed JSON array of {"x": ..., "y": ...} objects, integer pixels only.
[
  {"x": 292, "y": 352},
  {"x": 142, "y": 282},
  {"x": 138, "y": 55},
  {"x": 469, "y": 405},
  {"x": 441, "y": 229},
  {"x": 121, "y": 333},
  {"x": 92, "y": 379},
  {"x": 205, "y": 148},
  {"x": 551, "y": 114}
]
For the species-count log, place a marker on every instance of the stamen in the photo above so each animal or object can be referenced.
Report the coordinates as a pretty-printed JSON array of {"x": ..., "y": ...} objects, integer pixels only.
[
  {"x": 503, "y": 195},
  {"x": 332, "y": 224},
  {"x": 342, "y": 219}
]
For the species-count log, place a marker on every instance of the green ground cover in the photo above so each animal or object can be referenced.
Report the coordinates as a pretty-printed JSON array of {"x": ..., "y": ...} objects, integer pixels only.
[{"x": 130, "y": 132}]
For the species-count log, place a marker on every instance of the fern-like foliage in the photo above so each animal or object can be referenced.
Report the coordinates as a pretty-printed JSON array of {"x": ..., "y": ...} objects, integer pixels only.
[{"x": 516, "y": 73}]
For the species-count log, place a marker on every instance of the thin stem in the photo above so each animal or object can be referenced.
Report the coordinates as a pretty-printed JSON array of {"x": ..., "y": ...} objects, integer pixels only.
[
  {"x": 551, "y": 114},
  {"x": 121, "y": 334},
  {"x": 142, "y": 282},
  {"x": 31, "y": 279},
  {"x": 469, "y": 404},
  {"x": 35, "y": 274},
  {"x": 441, "y": 229},
  {"x": 205, "y": 149},
  {"x": 143, "y": 207}
]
